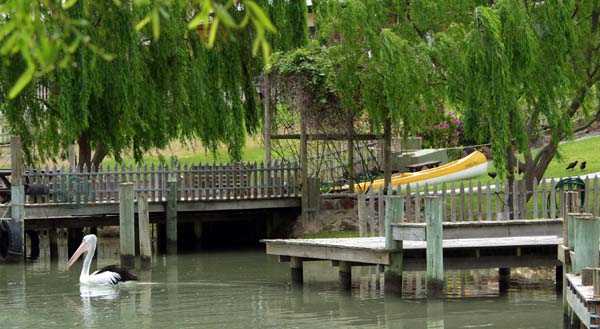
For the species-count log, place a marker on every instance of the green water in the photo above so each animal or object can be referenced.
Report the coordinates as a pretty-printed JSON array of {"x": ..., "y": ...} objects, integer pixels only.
[{"x": 248, "y": 289}]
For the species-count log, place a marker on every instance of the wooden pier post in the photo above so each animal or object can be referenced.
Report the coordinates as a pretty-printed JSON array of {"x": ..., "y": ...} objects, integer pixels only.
[
  {"x": 296, "y": 270},
  {"x": 345, "y": 270},
  {"x": 126, "y": 225},
  {"x": 435, "y": 248},
  {"x": 172, "y": 216},
  {"x": 53, "y": 244},
  {"x": 144, "y": 231},
  {"x": 503, "y": 279},
  {"x": 570, "y": 208},
  {"x": 17, "y": 191},
  {"x": 362, "y": 213},
  {"x": 587, "y": 236},
  {"x": 394, "y": 213}
]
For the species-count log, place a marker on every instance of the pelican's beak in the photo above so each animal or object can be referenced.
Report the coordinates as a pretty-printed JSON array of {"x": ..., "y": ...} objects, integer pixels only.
[{"x": 83, "y": 247}]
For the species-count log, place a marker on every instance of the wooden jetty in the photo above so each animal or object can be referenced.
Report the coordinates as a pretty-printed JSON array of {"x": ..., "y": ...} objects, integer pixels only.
[{"x": 414, "y": 246}]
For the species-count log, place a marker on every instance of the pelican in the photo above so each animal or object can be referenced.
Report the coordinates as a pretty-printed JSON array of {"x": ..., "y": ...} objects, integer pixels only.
[{"x": 111, "y": 274}]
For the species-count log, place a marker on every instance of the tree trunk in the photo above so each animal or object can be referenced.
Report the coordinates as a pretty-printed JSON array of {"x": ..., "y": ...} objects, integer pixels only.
[
  {"x": 387, "y": 152},
  {"x": 85, "y": 153}
]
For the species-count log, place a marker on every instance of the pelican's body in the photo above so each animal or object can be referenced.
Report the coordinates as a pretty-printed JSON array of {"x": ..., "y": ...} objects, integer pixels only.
[{"x": 111, "y": 274}]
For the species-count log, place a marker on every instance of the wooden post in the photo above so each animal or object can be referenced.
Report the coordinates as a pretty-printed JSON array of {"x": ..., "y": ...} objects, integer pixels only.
[
  {"x": 350, "y": 164},
  {"x": 303, "y": 165},
  {"x": 596, "y": 282},
  {"x": 314, "y": 200},
  {"x": 387, "y": 151},
  {"x": 362, "y": 213},
  {"x": 126, "y": 224},
  {"x": 267, "y": 115},
  {"x": 172, "y": 216},
  {"x": 435, "y": 248},
  {"x": 394, "y": 213},
  {"x": 503, "y": 279},
  {"x": 53, "y": 244},
  {"x": 345, "y": 270},
  {"x": 144, "y": 231},
  {"x": 587, "y": 236},
  {"x": 296, "y": 270},
  {"x": 570, "y": 205},
  {"x": 17, "y": 191}
]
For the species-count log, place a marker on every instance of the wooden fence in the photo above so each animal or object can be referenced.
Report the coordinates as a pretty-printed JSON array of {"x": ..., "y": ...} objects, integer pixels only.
[
  {"x": 194, "y": 181},
  {"x": 489, "y": 201}
]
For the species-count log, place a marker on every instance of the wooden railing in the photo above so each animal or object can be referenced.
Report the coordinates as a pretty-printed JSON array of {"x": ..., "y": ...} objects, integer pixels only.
[
  {"x": 230, "y": 181},
  {"x": 482, "y": 202}
]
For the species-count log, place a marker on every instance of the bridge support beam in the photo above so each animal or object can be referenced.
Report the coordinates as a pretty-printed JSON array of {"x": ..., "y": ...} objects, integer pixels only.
[{"x": 171, "y": 219}]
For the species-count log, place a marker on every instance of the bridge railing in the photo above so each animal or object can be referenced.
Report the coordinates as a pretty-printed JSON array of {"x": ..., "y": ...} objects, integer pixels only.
[
  {"x": 485, "y": 202},
  {"x": 230, "y": 181}
]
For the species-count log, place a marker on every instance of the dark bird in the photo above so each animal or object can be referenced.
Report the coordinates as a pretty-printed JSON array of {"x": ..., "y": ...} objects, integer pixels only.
[
  {"x": 572, "y": 165},
  {"x": 492, "y": 174},
  {"x": 582, "y": 166}
]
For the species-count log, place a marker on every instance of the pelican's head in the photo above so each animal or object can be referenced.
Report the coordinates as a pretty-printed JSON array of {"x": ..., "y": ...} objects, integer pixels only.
[{"x": 87, "y": 242}]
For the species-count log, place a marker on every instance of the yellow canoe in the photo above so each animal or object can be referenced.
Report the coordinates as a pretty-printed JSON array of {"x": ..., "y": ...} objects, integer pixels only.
[{"x": 470, "y": 166}]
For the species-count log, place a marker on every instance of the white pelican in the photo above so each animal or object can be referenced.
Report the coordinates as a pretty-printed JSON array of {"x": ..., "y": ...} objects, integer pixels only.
[{"x": 111, "y": 274}]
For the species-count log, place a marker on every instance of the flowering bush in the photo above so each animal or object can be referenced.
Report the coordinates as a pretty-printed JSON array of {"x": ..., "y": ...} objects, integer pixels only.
[{"x": 444, "y": 130}]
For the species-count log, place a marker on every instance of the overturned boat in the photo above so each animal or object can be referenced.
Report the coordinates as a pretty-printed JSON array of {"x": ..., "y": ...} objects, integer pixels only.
[{"x": 472, "y": 165}]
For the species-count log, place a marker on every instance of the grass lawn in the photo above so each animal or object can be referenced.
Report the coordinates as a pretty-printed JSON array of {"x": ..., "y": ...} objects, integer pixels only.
[{"x": 196, "y": 153}]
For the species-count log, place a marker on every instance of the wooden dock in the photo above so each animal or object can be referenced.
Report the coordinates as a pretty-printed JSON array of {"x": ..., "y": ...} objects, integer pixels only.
[
  {"x": 458, "y": 253},
  {"x": 474, "y": 245}
]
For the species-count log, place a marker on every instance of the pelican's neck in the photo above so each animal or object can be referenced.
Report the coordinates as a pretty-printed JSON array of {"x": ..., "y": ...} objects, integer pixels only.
[{"x": 85, "y": 270}]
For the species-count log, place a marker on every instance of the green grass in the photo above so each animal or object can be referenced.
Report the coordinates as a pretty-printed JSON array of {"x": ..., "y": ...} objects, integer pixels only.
[
  {"x": 581, "y": 150},
  {"x": 254, "y": 151}
]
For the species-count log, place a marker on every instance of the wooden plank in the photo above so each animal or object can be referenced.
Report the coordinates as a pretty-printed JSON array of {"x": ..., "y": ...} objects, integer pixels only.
[
  {"x": 144, "y": 230},
  {"x": 452, "y": 202},
  {"x": 381, "y": 211},
  {"x": 595, "y": 197},
  {"x": 515, "y": 199},
  {"x": 471, "y": 201},
  {"x": 417, "y": 203},
  {"x": 461, "y": 206},
  {"x": 479, "y": 201},
  {"x": 544, "y": 200},
  {"x": 552, "y": 199},
  {"x": 535, "y": 199},
  {"x": 488, "y": 201},
  {"x": 507, "y": 191},
  {"x": 409, "y": 232}
]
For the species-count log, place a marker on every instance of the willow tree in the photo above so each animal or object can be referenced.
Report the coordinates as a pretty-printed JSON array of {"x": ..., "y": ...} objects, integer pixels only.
[
  {"x": 530, "y": 67},
  {"x": 151, "y": 91},
  {"x": 386, "y": 70}
]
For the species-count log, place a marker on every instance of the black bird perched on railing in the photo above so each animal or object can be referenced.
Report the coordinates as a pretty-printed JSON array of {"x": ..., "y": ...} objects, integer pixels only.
[
  {"x": 572, "y": 165},
  {"x": 492, "y": 174},
  {"x": 582, "y": 166}
]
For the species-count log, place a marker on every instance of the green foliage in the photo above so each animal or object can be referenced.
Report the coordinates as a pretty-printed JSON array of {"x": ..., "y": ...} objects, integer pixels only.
[
  {"x": 157, "y": 86},
  {"x": 46, "y": 34}
]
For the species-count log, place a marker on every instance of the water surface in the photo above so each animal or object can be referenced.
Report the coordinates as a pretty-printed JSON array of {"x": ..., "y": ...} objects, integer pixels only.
[{"x": 248, "y": 289}]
